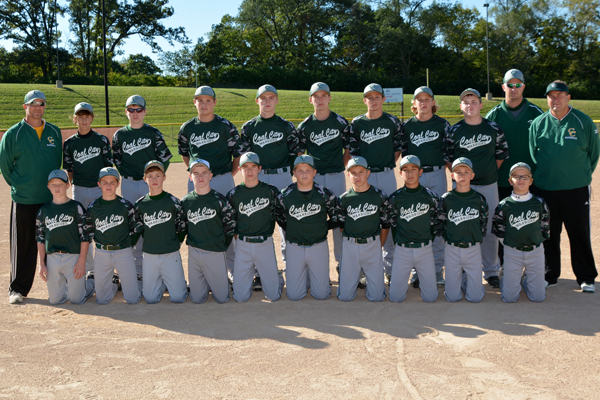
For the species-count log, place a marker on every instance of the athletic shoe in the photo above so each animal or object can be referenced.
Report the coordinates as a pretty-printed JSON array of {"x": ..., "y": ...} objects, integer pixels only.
[
  {"x": 90, "y": 275},
  {"x": 117, "y": 281},
  {"x": 414, "y": 280},
  {"x": 230, "y": 278},
  {"x": 549, "y": 285},
  {"x": 15, "y": 298},
  {"x": 439, "y": 277},
  {"x": 493, "y": 281},
  {"x": 139, "y": 278},
  {"x": 588, "y": 287},
  {"x": 257, "y": 285},
  {"x": 388, "y": 278},
  {"x": 362, "y": 282}
]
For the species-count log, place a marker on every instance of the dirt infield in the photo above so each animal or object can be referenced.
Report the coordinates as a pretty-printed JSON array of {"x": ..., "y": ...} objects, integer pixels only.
[{"x": 306, "y": 349}]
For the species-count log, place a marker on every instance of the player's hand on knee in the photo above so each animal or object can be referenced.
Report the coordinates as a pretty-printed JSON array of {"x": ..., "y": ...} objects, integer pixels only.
[
  {"x": 43, "y": 271},
  {"x": 79, "y": 270}
]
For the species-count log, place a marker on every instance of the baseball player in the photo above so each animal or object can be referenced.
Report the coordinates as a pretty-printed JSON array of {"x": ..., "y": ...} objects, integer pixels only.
[
  {"x": 376, "y": 136},
  {"x": 84, "y": 155},
  {"x": 482, "y": 142},
  {"x": 162, "y": 224},
  {"x": 133, "y": 146},
  {"x": 256, "y": 206},
  {"x": 422, "y": 136},
  {"x": 365, "y": 221},
  {"x": 307, "y": 205},
  {"x": 522, "y": 223},
  {"x": 324, "y": 135},
  {"x": 62, "y": 244},
  {"x": 464, "y": 217},
  {"x": 414, "y": 215},
  {"x": 209, "y": 216},
  {"x": 110, "y": 222},
  {"x": 564, "y": 145}
]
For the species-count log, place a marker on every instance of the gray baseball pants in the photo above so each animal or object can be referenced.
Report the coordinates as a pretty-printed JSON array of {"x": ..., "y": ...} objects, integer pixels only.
[
  {"x": 61, "y": 282},
  {"x": 132, "y": 191},
  {"x": 85, "y": 196},
  {"x": 489, "y": 245},
  {"x": 336, "y": 182},
  {"x": 366, "y": 257},
  {"x": 304, "y": 262},
  {"x": 261, "y": 256},
  {"x": 463, "y": 272},
  {"x": 515, "y": 261},
  {"x": 421, "y": 259},
  {"x": 161, "y": 272},
  {"x": 105, "y": 262},
  {"x": 386, "y": 181},
  {"x": 207, "y": 271},
  {"x": 436, "y": 181},
  {"x": 280, "y": 181}
]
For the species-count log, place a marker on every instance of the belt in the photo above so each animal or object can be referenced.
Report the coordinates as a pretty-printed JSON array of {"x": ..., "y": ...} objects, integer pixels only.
[
  {"x": 60, "y": 252},
  {"x": 462, "y": 245},
  {"x": 414, "y": 245},
  {"x": 131, "y": 178},
  {"x": 361, "y": 240},
  {"x": 329, "y": 173},
  {"x": 306, "y": 244},
  {"x": 110, "y": 247},
  {"x": 429, "y": 168},
  {"x": 253, "y": 239},
  {"x": 275, "y": 171},
  {"x": 384, "y": 169},
  {"x": 528, "y": 248}
]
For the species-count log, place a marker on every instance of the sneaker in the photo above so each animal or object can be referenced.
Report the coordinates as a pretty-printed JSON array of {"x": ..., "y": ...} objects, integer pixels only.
[
  {"x": 588, "y": 288},
  {"x": 439, "y": 277},
  {"x": 414, "y": 280},
  {"x": 117, "y": 281},
  {"x": 139, "y": 278},
  {"x": 257, "y": 285},
  {"x": 362, "y": 282},
  {"x": 15, "y": 298},
  {"x": 549, "y": 285},
  {"x": 388, "y": 278},
  {"x": 90, "y": 275},
  {"x": 493, "y": 281},
  {"x": 230, "y": 278}
]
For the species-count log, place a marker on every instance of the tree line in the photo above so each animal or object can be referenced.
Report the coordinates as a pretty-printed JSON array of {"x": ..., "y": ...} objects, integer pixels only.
[{"x": 293, "y": 43}]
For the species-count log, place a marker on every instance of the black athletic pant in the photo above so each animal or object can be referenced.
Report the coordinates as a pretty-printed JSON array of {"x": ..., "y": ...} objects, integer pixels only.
[
  {"x": 23, "y": 247},
  {"x": 571, "y": 207}
]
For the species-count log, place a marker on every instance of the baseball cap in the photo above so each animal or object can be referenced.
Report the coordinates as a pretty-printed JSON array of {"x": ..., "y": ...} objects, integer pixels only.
[
  {"x": 249, "y": 157},
  {"x": 136, "y": 100},
  {"x": 357, "y": 161},
  {"x": 83, "y": 106},
  {"x": 423, "y": 89},
  {"x": 469, "y": 91},
  {"x": 304, "y": 159},
  {"x": 558, "y": 86},
  {"x": 109, "y": 171},
  {"x": 513, "y": 74},
  {"x": 32, "y": 95},
  {"x": 462, "y": 162},
  {"x": 410, "y": 160},
  {"x": 318, "y": 87},
  {"x": 199, "y": 161},
  {"x": 154, "y": 163},
  {"x": 266, "y": 88},
  {"x": 373, "y": 87},
  {"x": 518, "y": 166},
  {"x": 58, "y": 174},
  {"x": 205, "y": 91}
]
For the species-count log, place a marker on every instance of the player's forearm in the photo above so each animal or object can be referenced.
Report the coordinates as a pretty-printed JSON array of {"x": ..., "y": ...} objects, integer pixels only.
[
  {"x": 186, "y": 161},
  {"x": 41, "y": 253},
  {"x": 83, "y": 250},
  {"x": 235, "y": 165},
  {"x": 384, "y": 235},
  {"x": 499, "y": 163}
]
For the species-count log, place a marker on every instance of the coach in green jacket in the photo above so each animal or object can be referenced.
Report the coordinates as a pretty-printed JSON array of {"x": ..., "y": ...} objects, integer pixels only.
[
  {"x": 565, "y": 146},
  {"x": 29, "y": 151}
]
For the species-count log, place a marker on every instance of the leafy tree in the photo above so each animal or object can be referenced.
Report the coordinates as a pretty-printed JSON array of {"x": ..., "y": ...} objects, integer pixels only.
[{"x": 139, "y": 64}]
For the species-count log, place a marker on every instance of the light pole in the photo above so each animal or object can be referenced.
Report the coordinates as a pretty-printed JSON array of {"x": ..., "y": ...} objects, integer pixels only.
[
  {"x": 488, "y": 95},
  {"x": 104, "y": 62},
  {"x": 59, "y": 83}
]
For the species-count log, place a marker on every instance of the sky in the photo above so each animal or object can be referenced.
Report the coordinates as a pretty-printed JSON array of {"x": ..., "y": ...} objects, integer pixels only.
[{"x": 197, "y": 17}]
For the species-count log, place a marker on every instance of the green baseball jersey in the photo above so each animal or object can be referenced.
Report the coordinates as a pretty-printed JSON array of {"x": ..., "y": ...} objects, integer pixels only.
[
  {"x": 363, "y": 214},
  {"x": 255, "y": 209},
  {"x": 85, "y": 156},
  {"x": 160, "y": 221},
  {"x": 463, "y": 216},
  {"x": 565, "y": 152},
  {"x": 325, "y": 141},
  {"x": 133, "y": 148},
  {"x": 273, "y": 139},
  {"x": 61, "y": 227},
  {"x": 376, "y": 140},
  {"x": 483, "y": 144},
  {"x": 306, "y": 213},
  {"x": 516, "y": 131},
  {"x": 209, "y": 219},
  {"x": 26, "y": 161},
  {"x": 216, "y": 141},
  {"x": 424, "y": 139},
  {"x": 414, "y": 215},
  {"x": 522, "y": 223},
  {"x": 111, "y": 222}
]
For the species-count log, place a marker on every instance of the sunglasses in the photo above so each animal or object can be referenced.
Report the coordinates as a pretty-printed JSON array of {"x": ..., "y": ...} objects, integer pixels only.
[
  {"x": 521, "y": 177},
  {"x": 37, "y": 103},
  {"x": 515, "y": 85},
  {"x": 134, "y": 110}
]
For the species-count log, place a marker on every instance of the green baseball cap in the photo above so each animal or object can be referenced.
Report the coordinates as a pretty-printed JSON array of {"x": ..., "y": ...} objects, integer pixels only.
[
  {"x": 558, "y": 86},
  {"x": 470, "y": 91},
  {"x": 373, "y": 87},
  {"x": 136, "y": 100},
  {"x": 59, "y": 174},
  {"x": 109, "y": 171},
  {"x": 205, "y": 91},
  {"x": 410, "y": 160},
  {"x": 462, "y": 162},
  {"x": 423, "y": 89},
  {"x": 266, "y": 88},
  {"x": 197, "y": 162},
  {"x": 83, "y": 106},
  {"x": 304, "y": 159},
  {"x": 316, "y": 87},
  {"x": 518, "y": 166},
  {"x": 31, "y": 96},
  {"x": 357, "y": 162},
  {"x": 249, "y": 157},
  {"x": 513, "y": 74},
  {"x": 154, "y": 163}
]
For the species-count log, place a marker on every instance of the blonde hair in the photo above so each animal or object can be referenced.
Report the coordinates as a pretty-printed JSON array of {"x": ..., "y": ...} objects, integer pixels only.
[
  {"x": 81, "y": 112},
  {"x": 413, "y": 108}
]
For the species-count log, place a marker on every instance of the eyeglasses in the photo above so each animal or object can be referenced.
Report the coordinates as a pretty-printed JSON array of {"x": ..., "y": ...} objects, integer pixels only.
[
  {"x": 521, "y": 177},
  {"x": 134, "y": 110},
  {"x": 515, "y": 85},
  {"x": 37, "y": 103}
]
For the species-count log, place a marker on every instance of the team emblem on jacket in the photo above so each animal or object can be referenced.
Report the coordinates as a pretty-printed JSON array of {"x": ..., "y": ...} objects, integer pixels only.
[
  {"x": 58, "y": 221},
  {"x": 373, "y": 135},
  {"x": 475, "y": 141},
  {"x": 363, "y": 210},
  {"x": 253, "y": 206},
  {"x": 524, "y": 219},
  {"x": 463, "y": 215},
  {"x": 305, "y": 211}
]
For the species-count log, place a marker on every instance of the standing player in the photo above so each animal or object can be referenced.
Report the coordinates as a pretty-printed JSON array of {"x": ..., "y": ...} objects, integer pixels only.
[
  {"x": 376, "y": 136},
  {"x": 482, "y": 142},
  {"x": 307, "y": 205},
  {"x": 423, "y": 136},
  {"x": 256, "y": 206},
  {"x": 564, "y": 145},
  {"x": 133, "y": 146},
  {"x": 324, "y": 135}
]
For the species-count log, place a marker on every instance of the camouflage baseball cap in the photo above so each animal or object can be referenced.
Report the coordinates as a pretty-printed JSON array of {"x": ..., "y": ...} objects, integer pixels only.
[
  {"x": 249, "y": 157},
  {"x": 264, "y": 89},
  {"x": 462, "y": 162},
  {"x": 513, "y": 74},
  {"x": 357, "y": 162},
  {"x": 83, "y": 106},
  {"x": 59, "y": 174},
  {"x": 410, "y": 160},
  {"x": 423, "y": 89},
  {"x": 205, "y": 91},
  {"x": 470, "y": 91},
  {"x": 33, "y": 95},
  {"x": 154, "y": 163},
  {"x": 316, "y": 87},
  {"x": 373, "y": 87},
  {"x": 197, "y": 162},
  {"x": 109, "y": 171},
  {"x": 304, "y": 159},
  {"x": 558, "y": 86},
  {"x": 136, "y": 100},
  {"x": 519, "y": 165}
]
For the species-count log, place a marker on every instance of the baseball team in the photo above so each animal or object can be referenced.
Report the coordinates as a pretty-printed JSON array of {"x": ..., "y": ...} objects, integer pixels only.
[{"x": 518, "y": 175}]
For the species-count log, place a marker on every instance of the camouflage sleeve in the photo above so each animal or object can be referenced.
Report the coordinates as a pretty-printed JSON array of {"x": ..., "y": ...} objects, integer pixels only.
[
  {"x": 384, "y": 214},
  {"x": 442, "y": 216},
  {"x": 231, "y": 227},
  {"x": 227, "y": 216},
  {"x": 501, "y": 144},
  {"x": 245, "y": 140},
  {"x": 403, "y": 142},
  {"x": 342, "y": 214},
  {"x": 498, "y": 222},
  {"x": 332, "y": 203},
  {"x": 484, "y": 214},
  {"x": 160, "y": 147},
  {"x": 436, "y": 228},
  {"x": 117, "y": 151},
  {"x": 277, "y": 207},
  {"x": 545, "y": 220},
  {"x": 302, "y": 136},
  {"x": 81, "y": 222},
  {"x": 136, "y": 225},
  {"x": 67, "y": 156},
  {"x": 393, "y": 212},
  {"x": 234, "y": 141},
  {"x": 345, "y": 131},
  {"x": 40, "y": 229},
  {"x": 448, "y": 144},
  {"x": 180, "y": 220},
  {"x": 107, "y": 156},
  {"x": 183, "y": 146},
  {"x": 292, "y": 139},
  {"x": 398, "y": 130},
  {"x": 353, "y": 142},
  {"x": 89, "y": 223}
]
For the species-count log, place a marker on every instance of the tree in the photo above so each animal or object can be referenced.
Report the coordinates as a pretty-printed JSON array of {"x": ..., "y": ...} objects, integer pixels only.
[
  {"x": 139, "y": 64},
  {"x": 182, "y": 64}
]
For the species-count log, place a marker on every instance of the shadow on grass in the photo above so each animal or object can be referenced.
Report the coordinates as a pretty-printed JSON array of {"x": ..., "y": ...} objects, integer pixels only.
[{"x": 236, "y": 94}]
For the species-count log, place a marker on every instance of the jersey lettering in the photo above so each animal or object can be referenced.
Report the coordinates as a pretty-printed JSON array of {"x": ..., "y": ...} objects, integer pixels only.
[
  {"x": 109, "y": 222},
  {"x": 324, "y": 136},
  {"x": 370, "y": 137},
  {"x": 463, "y": 215},
  {"x": 474, "y": 142},
  {"x": 363, "y": 210},
  {"x": 267, "y": 138},
  {"x": 253, "y": 206},
  {"x": 58, "y": 221},
  {"x": 424, "y": 137},
  {"x": 201, "y": 215},
  {"x": 135, "y": 146},
  {"x": 86, "y": 154},
  {"x": 413, "y": 212},
  {"x": 154, "y": 219},
  {"x": 305, "y": 211},
  {"x": 205, "y": 138},
  {"x": 523, "y": 219}
]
